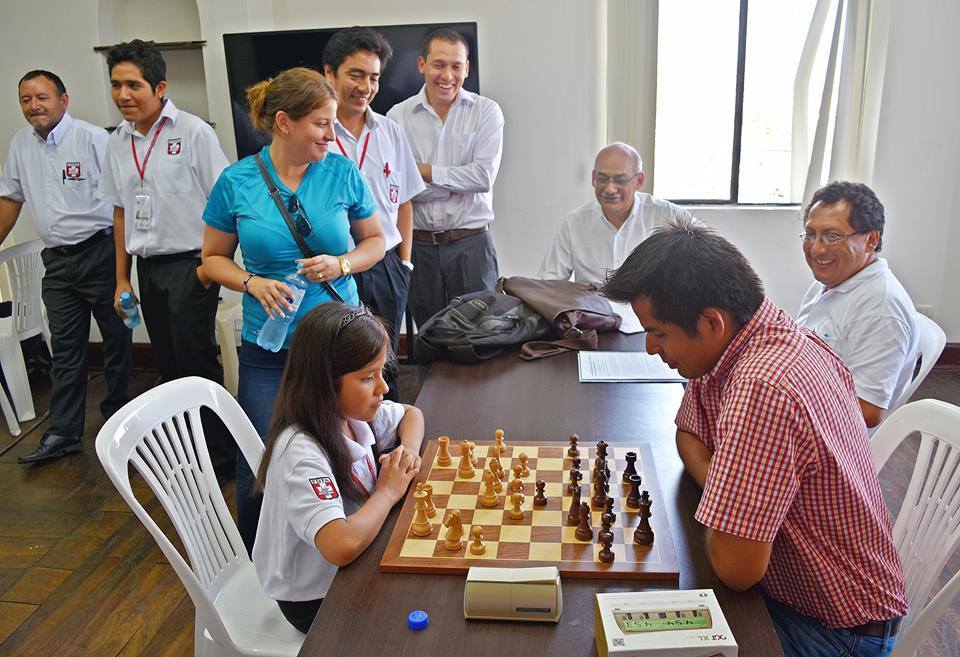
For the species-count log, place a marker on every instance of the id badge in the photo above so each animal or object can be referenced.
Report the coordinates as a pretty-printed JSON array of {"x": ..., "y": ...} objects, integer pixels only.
[{"x": 143, "y": 212}]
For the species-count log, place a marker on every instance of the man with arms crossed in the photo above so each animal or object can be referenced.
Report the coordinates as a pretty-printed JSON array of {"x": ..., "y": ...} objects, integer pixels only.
[
  {"x": 352, "y": 62},
  {"x": 857, "y": 305},
  {"x": 597, "y": 237},
  {"x": 770, "y": 427},
  {"x": 54, "y": 166},
  {"x": 457, "y": 141}
]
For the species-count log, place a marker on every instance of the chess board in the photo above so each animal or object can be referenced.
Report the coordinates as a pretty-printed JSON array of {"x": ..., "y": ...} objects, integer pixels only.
[{"x": 542, "y": 537}]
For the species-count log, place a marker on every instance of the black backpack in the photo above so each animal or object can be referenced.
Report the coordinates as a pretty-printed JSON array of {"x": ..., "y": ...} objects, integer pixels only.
[{"x": 478, "y": 326}]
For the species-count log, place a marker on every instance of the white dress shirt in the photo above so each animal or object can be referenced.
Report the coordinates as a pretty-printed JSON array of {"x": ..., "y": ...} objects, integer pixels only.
[
  {"x": 464, "y": 152},
  {"x": 57, "y": 177},
  {"x": 301, "y": 495},
  {"x": 180, "y": 172},
  {"x": 588, "y": 246},
  {"x": 387, "y": 166},
  {"x": 869, "y": 321}
]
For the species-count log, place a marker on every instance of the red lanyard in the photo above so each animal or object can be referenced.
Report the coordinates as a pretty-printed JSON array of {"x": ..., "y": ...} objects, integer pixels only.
[
  {"x": 373, "y": 473},
  {"x": 363, "y": 155},
  {"x": 146, "y": 158}
]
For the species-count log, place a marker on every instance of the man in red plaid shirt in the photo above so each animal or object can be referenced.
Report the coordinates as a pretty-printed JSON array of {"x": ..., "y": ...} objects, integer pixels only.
[{"x": 770, "y": 427}]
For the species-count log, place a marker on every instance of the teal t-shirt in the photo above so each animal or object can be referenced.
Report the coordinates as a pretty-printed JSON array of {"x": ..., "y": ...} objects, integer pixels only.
[{"x": 332, "y": 192}]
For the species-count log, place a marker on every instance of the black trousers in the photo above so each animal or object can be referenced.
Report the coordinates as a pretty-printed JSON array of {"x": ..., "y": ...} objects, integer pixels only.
[
  {"x": 180, "y": 316},
  {"x": 76, "y": 284},
  {"x": 383, "y": 289}
]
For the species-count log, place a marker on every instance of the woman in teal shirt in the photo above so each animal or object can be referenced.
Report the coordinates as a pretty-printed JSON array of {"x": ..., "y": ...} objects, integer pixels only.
[{"x": 329, "y": 202}]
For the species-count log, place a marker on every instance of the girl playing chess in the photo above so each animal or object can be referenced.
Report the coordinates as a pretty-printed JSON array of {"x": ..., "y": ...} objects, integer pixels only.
[{"x": 323, "y": 499}]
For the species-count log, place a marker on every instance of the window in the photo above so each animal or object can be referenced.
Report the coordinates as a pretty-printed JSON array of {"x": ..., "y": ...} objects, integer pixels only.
[{"x": 728, "y": 78}]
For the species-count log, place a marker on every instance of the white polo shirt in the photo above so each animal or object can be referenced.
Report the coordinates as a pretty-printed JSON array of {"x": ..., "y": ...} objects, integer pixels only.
[
  {"x": 57, "y": 177},
  {"x": 588, "y": 246},
  {"x": 183, "y": 166},
  {"x": 464, "y": 151},
  {"x": 869, "y": 321},
  {"x": 386, "y": 162},
  {"x": 301, "y": 496}
]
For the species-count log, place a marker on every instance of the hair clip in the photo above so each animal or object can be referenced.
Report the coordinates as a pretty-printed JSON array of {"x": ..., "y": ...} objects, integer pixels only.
[{"x": 350, "y": 316}]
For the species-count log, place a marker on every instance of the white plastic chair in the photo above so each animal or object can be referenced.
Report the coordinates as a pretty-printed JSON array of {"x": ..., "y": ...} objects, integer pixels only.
[
  {"x": 927, "y": 530},
  {"x": 930, "y": 342},
  {"x": 160, "y": 434},
  {"x": 14, "y": 370},
  {"x": 227, "y": 317},
  {"x": 24, "y": 269}
]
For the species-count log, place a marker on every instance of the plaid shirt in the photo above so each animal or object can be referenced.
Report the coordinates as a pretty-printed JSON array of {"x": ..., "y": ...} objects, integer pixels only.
[{"x": 791, "y": 465}]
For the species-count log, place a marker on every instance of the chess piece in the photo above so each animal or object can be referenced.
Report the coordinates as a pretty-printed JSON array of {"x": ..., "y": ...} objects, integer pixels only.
[
  {"x": 443, "y": 453},
  {"x": 517, "y": 471},
  {"x": 540, "y": 499},
  {"x": 584, "y": 530},
  {"x": 631, "y": 468},
  {"x": 428, "y": 489},
  {"x": 497, "y": 468},
  {"x": 644, "y": 532},
  {"x": 473, "y": 459},
  {"x": 600, "y": 490},
  {"x": 524, "y": 471},
  {"x": 604, "y": 527},
  {"x": 421, "y": 524},
  {"x": 477, "y": 546},
  {"x": 575, "y": 463},
  {"x": 453, "y": 539},
  {"x": 608, "y": 509},
  {"x": 575, "y": 477},
  {"x": 466, "y": 470},
  {"x": 495, "y": 452},
  {"x": 606, "y": 555},
  {"x": 517, "y": 500},
  {"x": 573, "y": 517},
  {"x": 600, "y": 466},
  {"x": 490, "y": 498},
  {"x": 516, "y": 486},
  {"x": 633, "y": 497},
  {"x": 498, "y": 440},
  {"x": 602, "y": 449},
  {"x": 574, "y": 451}
]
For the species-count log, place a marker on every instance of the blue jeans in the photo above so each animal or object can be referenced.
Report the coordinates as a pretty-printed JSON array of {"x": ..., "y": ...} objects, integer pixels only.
[
  {"x": 259, "y": 381},
  {"x": 802, "y": 636}
]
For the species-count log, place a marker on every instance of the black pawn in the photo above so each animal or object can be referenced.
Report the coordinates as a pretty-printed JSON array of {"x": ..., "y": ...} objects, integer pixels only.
[
  {"x": 602, "y": 449},
  {"x": 573, "y": 517},
  {"x": 631, "y": 467},
  {"x": 575, "y": 477},
  {"x": 574, "y": 451},
  {"x": 540, "y": 499},
  {"x": 576, "y": 462},
  {"x": 606, "y": 555},
  {"x": 608, "y": 509},
  {"x": 633, "y": 497},
  {"x": 605, "y": 524},
  {"x": 644, "y": 533},
  {"x": 584, "y": 530},
  {"x": 600, "y": 490}
]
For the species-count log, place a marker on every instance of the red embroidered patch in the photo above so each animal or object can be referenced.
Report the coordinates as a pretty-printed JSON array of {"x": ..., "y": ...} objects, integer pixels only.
[
  {"x": 173, "y": 146},
  {"x": 325, "y": 488}
]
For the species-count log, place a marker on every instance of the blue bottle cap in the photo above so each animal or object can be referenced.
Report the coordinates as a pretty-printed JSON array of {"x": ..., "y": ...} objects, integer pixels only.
[{"x": 418, "y": 620}]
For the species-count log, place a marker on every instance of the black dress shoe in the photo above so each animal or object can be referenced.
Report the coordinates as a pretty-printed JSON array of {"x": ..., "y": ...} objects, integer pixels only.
[{"x": 52, "y": 447}]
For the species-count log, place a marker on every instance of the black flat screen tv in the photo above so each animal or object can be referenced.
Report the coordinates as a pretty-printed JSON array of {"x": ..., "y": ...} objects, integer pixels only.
[{"x": 254, "y": 56}]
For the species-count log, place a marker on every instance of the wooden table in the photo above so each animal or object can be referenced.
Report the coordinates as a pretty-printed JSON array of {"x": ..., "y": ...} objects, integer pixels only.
[{"x": 365, "y": 611}]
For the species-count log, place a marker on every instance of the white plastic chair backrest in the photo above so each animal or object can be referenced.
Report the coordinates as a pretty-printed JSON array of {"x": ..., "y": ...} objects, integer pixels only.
[
  {"x": 930, "y": 343},
  {"x": 160, "y": 434},
  {"x": 927, "y": 529},
  {"x": 25, "y": 271}
]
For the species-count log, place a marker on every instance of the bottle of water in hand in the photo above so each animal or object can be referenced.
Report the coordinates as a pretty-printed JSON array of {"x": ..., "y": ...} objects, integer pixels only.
[
  {"x": 274, "y": 330},
  {"x": 130, "y": 309}
]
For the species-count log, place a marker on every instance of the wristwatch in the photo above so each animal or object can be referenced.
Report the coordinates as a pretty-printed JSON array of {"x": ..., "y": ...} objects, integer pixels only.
[
  {"x": 407, "y": 264},
  {"x": 344, "y": 265}
]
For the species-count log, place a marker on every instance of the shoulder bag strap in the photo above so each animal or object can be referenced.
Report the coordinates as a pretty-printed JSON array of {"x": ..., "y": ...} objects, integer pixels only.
[{"x": 302, "y": 243}]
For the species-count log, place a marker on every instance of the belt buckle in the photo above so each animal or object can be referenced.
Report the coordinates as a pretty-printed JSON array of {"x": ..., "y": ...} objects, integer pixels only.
[{"x": 433, "y": 237}]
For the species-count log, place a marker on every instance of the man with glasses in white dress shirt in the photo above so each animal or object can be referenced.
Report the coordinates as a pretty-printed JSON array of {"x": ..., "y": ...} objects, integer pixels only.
[
  {"x": 457, "y": 141},
  {"x": 54, "y": 166},
  {"x": 598, "y": 236},
  {"x": 856, "y": 304}
]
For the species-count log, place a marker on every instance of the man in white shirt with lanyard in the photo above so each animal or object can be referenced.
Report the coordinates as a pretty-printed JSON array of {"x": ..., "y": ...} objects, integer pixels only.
[
  {"x": 598, "y": 236},
  {"x": 54, "y": 166},
  {"x": 457, "y": 141},
  {"x": 856, "y": 304},
  {"x": 352, "y": 62},
  {"x": 161, "y": 165}
]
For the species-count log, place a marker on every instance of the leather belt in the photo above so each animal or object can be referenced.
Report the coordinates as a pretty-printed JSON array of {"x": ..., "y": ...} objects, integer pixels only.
[
  {"x": 446, "y": 236},
  {"x": 73, "y": 249},
  {"x": 878, "y": 629}
]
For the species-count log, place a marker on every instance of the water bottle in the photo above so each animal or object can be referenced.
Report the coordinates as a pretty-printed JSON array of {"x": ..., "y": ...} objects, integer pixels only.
[
  {"x": 130, "y": 308},
  {"x": 274, "y": 330}
]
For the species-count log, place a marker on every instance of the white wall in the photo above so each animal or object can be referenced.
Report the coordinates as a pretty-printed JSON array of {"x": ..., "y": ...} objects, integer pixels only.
[{"x": 542, "y": 61}]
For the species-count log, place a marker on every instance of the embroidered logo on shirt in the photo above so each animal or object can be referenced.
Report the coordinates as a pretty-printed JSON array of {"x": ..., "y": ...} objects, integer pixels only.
[
  {"x": 72, "y": 170},
  {"x": 324, "y": 488},
  {"x": 394, "y": 194},
  {"x": 173, "y": 146}
]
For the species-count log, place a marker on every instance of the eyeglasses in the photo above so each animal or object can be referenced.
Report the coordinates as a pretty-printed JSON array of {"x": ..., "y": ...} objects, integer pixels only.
[
  {"x": 299, "y": 216},
  {"x": 602, "y": 179},
  {"x": 827, "y": 239}
]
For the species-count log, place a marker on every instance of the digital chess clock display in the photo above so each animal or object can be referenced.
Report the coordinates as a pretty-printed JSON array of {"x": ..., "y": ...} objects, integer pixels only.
[{"x": 663, "y": 620}]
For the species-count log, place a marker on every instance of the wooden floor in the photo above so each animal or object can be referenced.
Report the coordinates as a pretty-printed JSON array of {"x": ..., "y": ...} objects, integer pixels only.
[{"x": 79, "y": 575}]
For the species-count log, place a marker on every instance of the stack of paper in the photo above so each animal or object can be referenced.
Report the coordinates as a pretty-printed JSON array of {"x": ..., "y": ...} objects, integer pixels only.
[{"x": 624, "y": 366}]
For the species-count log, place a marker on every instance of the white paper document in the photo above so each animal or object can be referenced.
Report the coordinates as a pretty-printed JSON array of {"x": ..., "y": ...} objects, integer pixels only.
[
  {"x": 624, "y": 366},
  {"x": 629, "y": 324}
]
